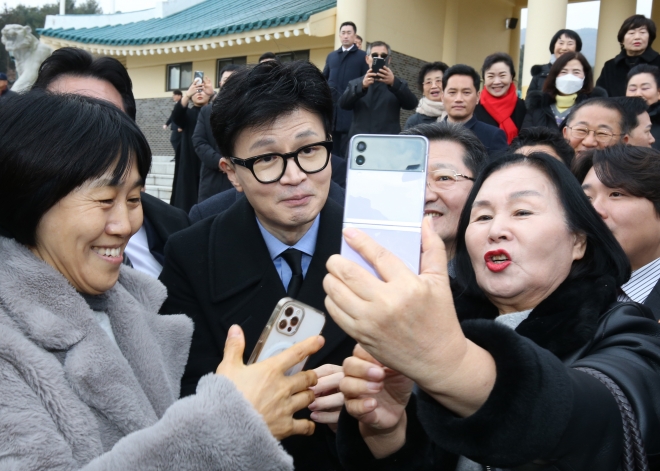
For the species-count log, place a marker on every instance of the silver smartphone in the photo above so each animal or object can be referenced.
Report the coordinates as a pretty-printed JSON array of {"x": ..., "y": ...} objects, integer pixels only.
[
  {"x": 385, "y": 188},
  {"x": 198, "y": 77},
  {"x": 290, "y": 323}
]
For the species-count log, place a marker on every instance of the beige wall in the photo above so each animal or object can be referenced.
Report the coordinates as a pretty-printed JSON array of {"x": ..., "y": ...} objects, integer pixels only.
[{"x": 148, "y": 73}]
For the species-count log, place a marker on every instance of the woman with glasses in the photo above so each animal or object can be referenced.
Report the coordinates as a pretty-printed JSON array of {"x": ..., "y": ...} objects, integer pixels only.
[
  {"x": 499, "y": 104},
  {"x": 430, "y": 108},
  {"x": 570, "y": 81}
]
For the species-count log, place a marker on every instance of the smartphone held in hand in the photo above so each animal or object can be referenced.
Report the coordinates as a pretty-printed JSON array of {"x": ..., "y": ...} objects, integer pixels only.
[
  {"x": 377, "y": 64},
  {"x": 199, "y": 77},
  {"x": 291, "y": 323},
  {"x": 385, "y": 194}
]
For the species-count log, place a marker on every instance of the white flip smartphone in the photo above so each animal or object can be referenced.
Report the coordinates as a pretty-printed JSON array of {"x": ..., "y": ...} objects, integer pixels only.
[
  {"x": 385, "y": 190},
  {"x": 290, "y": 323}
]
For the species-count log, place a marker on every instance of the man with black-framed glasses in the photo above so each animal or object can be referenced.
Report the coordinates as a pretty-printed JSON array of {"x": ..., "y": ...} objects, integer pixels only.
[
  {"x": 377, "y": 97},
  {"x": 273, "y": 125}
]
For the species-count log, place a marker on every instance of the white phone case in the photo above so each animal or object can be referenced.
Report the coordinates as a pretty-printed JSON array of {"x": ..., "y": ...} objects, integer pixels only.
[{"x": 290, "y": 323}]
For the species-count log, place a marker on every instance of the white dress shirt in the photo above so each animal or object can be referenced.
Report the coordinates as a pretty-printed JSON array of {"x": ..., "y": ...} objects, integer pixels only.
[{"x": 641, "y": 283}]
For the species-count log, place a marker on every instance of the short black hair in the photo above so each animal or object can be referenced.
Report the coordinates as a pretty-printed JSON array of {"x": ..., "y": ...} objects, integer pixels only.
[
  {"x": 177, "y": 92},
  {"x": 654, "y": 70},
  {"x": 357, "y": 36},
  {"x": 51, "y": 144},
  {"x": 80, "y": 63},
  {"x": 475, "y": 156},
  {"x": 603, "y": 255},
  {"x": 634, "y": 22},
  {"x": 461, "y": 69},
  {"x": 229, "y": 68},
  {"x": 348, "y": 23},
  {"x": 256, "y": 97},
  {"x": 605, "y": 102},
  {"x": 496, "y": 58},
  {"x": 632, "y": 106},
  {"x": 265, "y": 55},
  {"x": 543, "y": 136},
  {"x": 571, "y": 34},
  {"x": 635, "y": 170},
  {"x": 426, "y": 68},
  {"x": 550, "y": 84}
]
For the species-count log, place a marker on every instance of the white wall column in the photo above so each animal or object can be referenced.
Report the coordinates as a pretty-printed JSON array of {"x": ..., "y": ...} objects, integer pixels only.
[
  {"x": 450, "y": 34},
  {"x": 514, "y": 44},
  {"x": 612, "y": 14},
  {"x": 355, "y": 11},
  {"x": 544, "y": 19}
]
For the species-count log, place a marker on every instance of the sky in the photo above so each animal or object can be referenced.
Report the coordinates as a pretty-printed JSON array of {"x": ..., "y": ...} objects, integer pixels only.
[{"x": 579, "y": 15}]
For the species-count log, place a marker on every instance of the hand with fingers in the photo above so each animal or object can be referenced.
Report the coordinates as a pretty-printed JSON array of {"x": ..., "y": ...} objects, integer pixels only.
[
  {"x": 368, "y": 79},
  {"x": 377, "y": 396},
  {"x": 328, "y": 399},
  {"x": 207, "y": 85},
  {"x": 275, "y": 396},
  {"x": 386, "y": 76},
  {"x": 408, "y": 321}
]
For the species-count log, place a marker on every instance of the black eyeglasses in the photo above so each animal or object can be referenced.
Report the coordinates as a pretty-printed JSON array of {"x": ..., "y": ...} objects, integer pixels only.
[
  {"x": 270, "y": 168},
  {"x": 382, "y": 55}
]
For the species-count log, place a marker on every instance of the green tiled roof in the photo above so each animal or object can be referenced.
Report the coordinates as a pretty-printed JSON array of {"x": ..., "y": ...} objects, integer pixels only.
[{"x": 208, "y": 19}]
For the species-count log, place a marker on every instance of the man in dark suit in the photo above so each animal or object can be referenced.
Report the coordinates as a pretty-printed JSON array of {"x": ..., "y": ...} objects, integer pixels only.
[
  {"x": 461, "y": 94},
  {"x": 72, "y": 70},
  {"x": 175, "y": 130},
  {"x": 273, "y": 124},
  {"x": 212, "y": 180},
  {"x": 342, "y": 66}
]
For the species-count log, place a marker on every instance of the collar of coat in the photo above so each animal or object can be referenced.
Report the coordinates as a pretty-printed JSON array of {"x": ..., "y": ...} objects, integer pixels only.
[
  {"x": 563, "y": 322},
  {"x": 647, "y": 56},
  {"x": 43, "y": 319}
]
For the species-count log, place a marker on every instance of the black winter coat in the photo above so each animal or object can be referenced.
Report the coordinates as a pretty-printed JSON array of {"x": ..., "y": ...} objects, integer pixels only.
[
  {"x": 419, "y": 118},
  {"x": 212, "y": 180},
  {"x": 340, "y": 68},
  {"x": 517, "y": 117},
  {"x": 539, "y": 112},
  {"x": 542, "y": 413},
  {"x": 539, "y": 74},
  {"x": 614, "y": 77},
  {"x": 654, "y": 113},
  {"x": 377, "y": 110},
  {"x": 185, "y": 187}
]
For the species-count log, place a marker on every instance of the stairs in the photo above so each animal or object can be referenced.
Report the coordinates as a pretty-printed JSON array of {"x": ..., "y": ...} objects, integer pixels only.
[{"x": 159, "y": 180}]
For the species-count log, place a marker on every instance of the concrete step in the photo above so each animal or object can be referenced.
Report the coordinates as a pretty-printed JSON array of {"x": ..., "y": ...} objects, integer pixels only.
[
  {"x": 162, "y": 192},
  {"x": 161, "y": 159},
  {"x": 162, "y": 168},
  {"x": 159, "y": 180}
]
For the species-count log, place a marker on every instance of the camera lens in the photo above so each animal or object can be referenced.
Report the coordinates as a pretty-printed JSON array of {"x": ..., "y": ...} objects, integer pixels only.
[
  {"x": 360, "y": 160},
  {"x": 294, "y": 321},
  {"x": 288, "y": 311},
  {"x": 362, "y": 146},
  {"x": 283, "y": 324}
]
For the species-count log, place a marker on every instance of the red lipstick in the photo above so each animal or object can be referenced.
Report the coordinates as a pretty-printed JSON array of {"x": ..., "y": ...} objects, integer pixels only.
[{"x": 502, "y": 260}]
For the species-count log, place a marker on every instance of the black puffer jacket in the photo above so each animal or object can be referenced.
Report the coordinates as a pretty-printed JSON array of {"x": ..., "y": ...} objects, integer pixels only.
[
  {"x": 539, "y": 74},
  {"x": 542, "y": 413},
  {"x": 539, "y": 112}
]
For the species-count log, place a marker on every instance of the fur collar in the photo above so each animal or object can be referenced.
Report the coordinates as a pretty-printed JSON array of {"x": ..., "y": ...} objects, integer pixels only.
[
  {"x": 130, "y": 386},
  {"x": 563, "y": 322}
]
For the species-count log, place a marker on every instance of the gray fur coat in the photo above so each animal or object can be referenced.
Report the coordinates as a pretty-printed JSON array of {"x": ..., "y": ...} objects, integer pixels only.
[{"x": 70, "y": 399}]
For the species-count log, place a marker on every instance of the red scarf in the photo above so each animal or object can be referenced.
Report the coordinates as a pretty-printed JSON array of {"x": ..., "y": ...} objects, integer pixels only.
[{"x": 501, "y": 110}]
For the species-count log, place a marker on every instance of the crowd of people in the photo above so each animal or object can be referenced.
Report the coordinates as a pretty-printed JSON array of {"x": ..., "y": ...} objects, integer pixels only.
[{"x": 530, "y": 339}]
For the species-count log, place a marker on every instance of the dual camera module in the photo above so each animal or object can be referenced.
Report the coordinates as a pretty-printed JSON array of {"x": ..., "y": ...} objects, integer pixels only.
[
  {"x": 290, "y": 320},
  {"x": 361, "y": 147}
]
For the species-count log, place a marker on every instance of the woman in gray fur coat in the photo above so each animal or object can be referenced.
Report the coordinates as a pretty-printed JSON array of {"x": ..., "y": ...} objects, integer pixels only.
[{"x": 89, "y": 372}]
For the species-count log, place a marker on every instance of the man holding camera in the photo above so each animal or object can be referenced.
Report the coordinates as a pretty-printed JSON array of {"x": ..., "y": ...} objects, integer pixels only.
[{"x": 377, "y": 98}]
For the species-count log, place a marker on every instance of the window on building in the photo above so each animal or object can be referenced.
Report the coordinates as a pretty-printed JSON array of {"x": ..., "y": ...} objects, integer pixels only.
[
  {"x": 223, "y": 62},
  {"x": 179, "y": 76},
  {"x": 293, "y": 56}
]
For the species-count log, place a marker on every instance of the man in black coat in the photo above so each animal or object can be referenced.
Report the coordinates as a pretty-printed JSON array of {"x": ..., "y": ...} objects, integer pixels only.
[
  {"x": 212, "y": 180},
  {"x": 342, "y": 66},
  {"x": 175, "y": 134},
  {"x": 275, "y": 122},
  {"x": 461, "y": 93},
  {"x": 636, "y": 37},
  {"x": 376, "y": 99}
]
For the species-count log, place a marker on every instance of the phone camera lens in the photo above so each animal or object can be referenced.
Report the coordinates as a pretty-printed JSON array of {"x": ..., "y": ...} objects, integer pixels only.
[
  {"x": 294, "y": 321},
  {"x": 361, "y": 146},
  {"x": 360, "y": 160},
  {"x": 283, "y": 324},
  {"x": 288, "y": 311}
]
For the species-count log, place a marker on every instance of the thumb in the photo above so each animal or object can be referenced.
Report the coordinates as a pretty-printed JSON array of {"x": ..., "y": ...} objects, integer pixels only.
[
  {"x": 434, "y": 256},
  {"x": 235, "y": 345}
]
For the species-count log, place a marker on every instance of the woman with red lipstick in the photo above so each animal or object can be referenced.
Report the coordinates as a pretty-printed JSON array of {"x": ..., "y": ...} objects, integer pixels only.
[
  {"x": 89, "y": 371},
  {"x": 526, "y": 365},
  {"x": 636, "y": 37},
  {"x": 499, "y": 104}
]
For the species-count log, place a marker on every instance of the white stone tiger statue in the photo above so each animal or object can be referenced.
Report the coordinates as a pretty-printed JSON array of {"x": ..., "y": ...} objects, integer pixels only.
[{"x": 28, "y": 53}]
